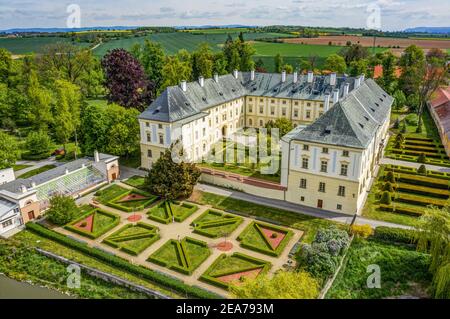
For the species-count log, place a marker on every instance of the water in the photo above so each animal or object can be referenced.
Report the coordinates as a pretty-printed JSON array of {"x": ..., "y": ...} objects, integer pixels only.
[{"x": 13, "y": 289}]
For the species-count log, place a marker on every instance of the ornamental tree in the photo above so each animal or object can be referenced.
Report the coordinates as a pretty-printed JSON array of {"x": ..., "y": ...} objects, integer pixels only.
[
  {"x": 126, "y": 80},
  {"x": 62, "y": 209}
]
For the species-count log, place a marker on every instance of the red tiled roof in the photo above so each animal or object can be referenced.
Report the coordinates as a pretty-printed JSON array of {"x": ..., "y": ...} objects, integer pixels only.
[{"x": 441, "y": 96}]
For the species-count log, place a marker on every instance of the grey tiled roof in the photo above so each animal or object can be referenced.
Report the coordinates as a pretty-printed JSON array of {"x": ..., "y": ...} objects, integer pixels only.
[
  {"x": 174, "y": 104},
  {"x": 353, "y": 121},
  {"x": 6, "y": 206}
]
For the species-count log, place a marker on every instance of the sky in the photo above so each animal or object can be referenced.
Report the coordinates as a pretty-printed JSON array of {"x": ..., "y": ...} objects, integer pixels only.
[{"x": 393, "y": 14}]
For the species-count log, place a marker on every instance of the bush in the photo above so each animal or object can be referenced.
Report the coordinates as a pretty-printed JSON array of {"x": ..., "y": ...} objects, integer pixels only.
[
  {"x": 398, "y": 235},
  {"x": 363, "y": 231},
  {"x": 386, "y": 198},
  {"x": 38, "y": 143},
  {"x": 412, "y": 119},
  {"x": 396, "y": 123},
  {"x": 422, "y": 170},
  {"x": 403, "y": 129},
  {"x": 422, "y": 158},
  {"x": 62, "y": 209},
  {"x": 390, "y": 177},
  {"x": 388, "y": 187}
]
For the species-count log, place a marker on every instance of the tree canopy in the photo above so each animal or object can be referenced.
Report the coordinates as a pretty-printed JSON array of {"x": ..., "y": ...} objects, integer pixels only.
[
  {"x": 62, "y": 209},
  {"x": 9, "y": 150}
]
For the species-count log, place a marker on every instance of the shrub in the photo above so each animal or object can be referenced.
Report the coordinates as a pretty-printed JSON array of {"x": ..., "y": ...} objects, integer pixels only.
[
  {"x": 396, "y": 123},
  {"x": 62, "y": 209},
  {"x": 363, "y": 231},
  {"x": 399, "y": 138},
  {"x": 388, "y": 187},
  {"x": 38, "y": 143},
  {"x": 390, "y": 177},
  {"x": 412, "y": 119},
  {"x": 386, "y": 198},
  {"x": 422, "y": 170},
  {"x": 403, "y": 129},
  {"x": 398, "y": 235},
  {"x": 422, "y": 158}
]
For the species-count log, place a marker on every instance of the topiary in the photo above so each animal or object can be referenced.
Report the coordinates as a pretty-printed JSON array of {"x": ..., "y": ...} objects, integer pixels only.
[
  {"x": 388, "y": 187},
  {"x": 403, "y": 129},
  {"x": 386, "y": 198},
  {"x": 422, "y": 170},
  {"x": 396, "y": 123},
  {"x": 390, "y": 177},
  {"x": 422, "y": 158}
]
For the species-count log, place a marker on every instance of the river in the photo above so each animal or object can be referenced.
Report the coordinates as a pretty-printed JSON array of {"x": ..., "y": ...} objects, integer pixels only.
[{"x": 13, "y": 289}]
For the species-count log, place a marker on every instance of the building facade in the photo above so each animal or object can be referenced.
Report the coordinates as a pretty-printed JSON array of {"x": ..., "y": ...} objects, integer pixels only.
[{"x": 330, "y": 173}]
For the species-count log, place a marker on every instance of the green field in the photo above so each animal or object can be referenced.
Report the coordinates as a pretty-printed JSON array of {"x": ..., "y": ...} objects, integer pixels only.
[{"x": 32, "y": 45}]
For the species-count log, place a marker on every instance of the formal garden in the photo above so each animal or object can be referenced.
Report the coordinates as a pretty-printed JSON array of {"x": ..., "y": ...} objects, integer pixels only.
[
  {"x": 183, "y": 256},
  {"x": 94, "y": 223},
  {"x": 127, "y": 200},
  {"x": 214, "y": 224},
  {"x": 400, "y": 194},
  {"x": 167, "y": 212}
]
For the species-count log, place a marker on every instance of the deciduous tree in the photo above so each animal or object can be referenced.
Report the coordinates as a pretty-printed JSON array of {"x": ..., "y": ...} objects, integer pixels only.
[{"x": 9, "y": 150}]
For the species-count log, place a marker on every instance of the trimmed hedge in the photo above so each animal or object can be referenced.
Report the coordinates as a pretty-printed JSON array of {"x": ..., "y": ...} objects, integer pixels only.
[
  {"x": 422, "y": 180},
  {"x": 201, "y": 228},
  {"x": 191, "y": 209},
  {"x": 93, "y": 235},
  {"x": 422, "y": 201},
  {"x": 123, "y": 264},
  {"x": 151, "y": 198},
  {"x": 398, "y": 235},
  {"x": 401, "y": 210},
  {"x": 423, "y": 190}
]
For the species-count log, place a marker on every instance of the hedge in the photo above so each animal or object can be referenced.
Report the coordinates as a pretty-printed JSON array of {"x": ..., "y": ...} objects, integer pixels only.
[
  {"x": 418, "y": 200},
  {"x": 398, "y": 235},
  {"x": 423, "y": 190},
  {"x": 123, "y": 264},
  {"x": 202, "y": 227},
  {"x": 422, "y": 180},
  {"x": 401, "y": 210},
  {"x": 151, "y": 198},
  {"x": 191, "y": 209},
  {"x": 93, "y": 235}
]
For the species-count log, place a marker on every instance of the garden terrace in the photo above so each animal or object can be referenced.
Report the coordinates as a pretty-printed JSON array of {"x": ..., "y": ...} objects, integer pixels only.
[
  {"x": 166, "y": 212},
  {"x": 94, "y": 223},
  {"x": 133, "y": 239},
  {"x": 232, "y": 269},
  {"x": 264, "y": 238},
  {"x": 125, "y": 199},
  {"x": 183, "y": 256},
  {"x": 214, "y": 224}
]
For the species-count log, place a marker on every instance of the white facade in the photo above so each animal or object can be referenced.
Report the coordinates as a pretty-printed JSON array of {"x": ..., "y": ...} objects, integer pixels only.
[{"x": 6, "y": 175}]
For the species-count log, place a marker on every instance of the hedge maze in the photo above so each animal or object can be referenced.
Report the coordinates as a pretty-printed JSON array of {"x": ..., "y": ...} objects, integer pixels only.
[
  {"x": 94, "y": 223},
  {"x": 214, "y": 224},
  {"x": 267, "y": 239},
  {"x": 166, "y": 212},
  {"x": 232, "y": 269},
  {"x": 183, "y": 256},
  {"x": 133, "y": 239}
]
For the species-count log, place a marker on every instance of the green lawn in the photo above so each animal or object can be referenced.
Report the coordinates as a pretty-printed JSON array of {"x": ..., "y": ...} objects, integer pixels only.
[
  {"x": 135, "y": 181},
  {"x": 19, "y": 167},
  {"x": 403, "y": 271},
  {"x": 102, "y": 223},
  {"x": 19, "y": 262},
  {"x": 37, "y": 171},
  {"x": 133, "y": 239},
  {"x": 106, "y": 195},
  {"x": 33, "y": 240},
  {"x": 215, "y": 224},
  {"x": 184, "y": 256},
  {"x": 165, "y": 212},
  {"x": 308, "y": 224}
]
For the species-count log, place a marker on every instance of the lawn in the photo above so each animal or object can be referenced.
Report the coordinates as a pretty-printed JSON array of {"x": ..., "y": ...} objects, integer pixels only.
[
  {"x": 214, "y": 224},
  {"x": 231, "y": 269},
  {"x": 19, "y": 167},
  {"x": 31, "y": 240},
  {"x": 104, "y": 196},
  {"x": 135, "y": 181},
  {"x": 36, "y": 171},
  {"x": 264, "y": 238},
  {"x": 184, "y": 256},
  {"x": 133, "y": 239},
  {"x": 404, "y": 271},
  {"x": 94, "y": 223},
  {"x": 166, "y": 212},
  {"x": 125, "y": 199},
  {"x": 306, "y": 223},
  {"x": 19, "y": 262}
]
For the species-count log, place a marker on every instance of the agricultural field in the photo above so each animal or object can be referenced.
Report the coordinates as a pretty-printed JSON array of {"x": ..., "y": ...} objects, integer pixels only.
[
  {"x": 404, "y": 271},
  {"x": 183, "y": 256},
  {"x": 19, "y": 46},
  {"x": 232, "y": 269},
  {"x": 133, "y": 239},
  {"x": 214, "y": 224},
  {"x": 94, "y": 223},
  {"x": 410, "y": 191},
  {"x": 166, "y": 212}
]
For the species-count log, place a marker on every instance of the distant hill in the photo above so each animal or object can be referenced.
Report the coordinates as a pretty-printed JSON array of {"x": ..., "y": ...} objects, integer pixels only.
[
  {"x": 435, "y": 30},
  {"x": 53, "y": 30},
  {"x": 228, "y": 26}
]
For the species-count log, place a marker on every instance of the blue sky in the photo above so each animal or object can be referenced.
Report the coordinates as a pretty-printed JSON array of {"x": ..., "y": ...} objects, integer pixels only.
[{"x": 395, "y": 14}]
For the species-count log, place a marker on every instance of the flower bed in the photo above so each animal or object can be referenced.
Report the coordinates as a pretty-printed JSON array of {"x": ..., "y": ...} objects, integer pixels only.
[
  {"x": 214, "y": 224},
  {"x": 132, "y": 200},
  {"x": 94, "y": 223},
  {"x": 165, "y": 212}
]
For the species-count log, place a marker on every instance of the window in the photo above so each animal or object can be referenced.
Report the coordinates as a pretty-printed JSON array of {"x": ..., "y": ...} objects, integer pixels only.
[
  {"x": 305, "y": 163},
  {"x": 295, "y": 113},
  {"x": 295, "y": 103},
  {"x": 341, "y": 191},
  {"x": 302, "y": 198},
  {"x": 284, "y": 102},
  {"x": 306, "y": 147},
  {"x": 149, "y": 153},
  {"x": 217, "y": 119},
  {"x": 250, "y": 109},
  {"x": 272, "y": 111},
  {"x": 323, "y": 166},
  {"x": 345, "y": 153},
  {"x": 204, "y": 147},
  {"x": 283, "y": 111},
  {"x": 161, "y": 139},
  {"x": 250, "y": 122},
  {"x": 261, "y": 100},
  {"x": 149, "y": 137},
  {"x": 308, "y": 104},
  {"x": 303, "y": 183},
  {"x": 339, "y": 207},
  {"x": 321, "y": 105},
  {"x": 261, "y": 123},
  {"x": 250, "y": 99},
  {"x": 147, "y": 124},
  {"x": 204, "y": 132},
  {"x": 261, "y": 110},
  {"x": 322, "y": 187},
  {"x": 272, "y": 101},
  {"x": 344, "y": 169},
  {"x": 7, "y": 223},
  {"x": 160, "y": 126},
  {"x": 325, "y": 150},
  {"x": 308, "y": 114}
]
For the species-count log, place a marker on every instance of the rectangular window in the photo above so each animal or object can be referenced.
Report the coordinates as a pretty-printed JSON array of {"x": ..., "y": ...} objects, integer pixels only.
[
  {"x": 7, "y": 223},
  {"x": 272, "y": 101},
  {"x": 345, "y": 153},
  {"x": 147, "y": 124},
  {"x": 161, "y": 139},
  {"x": 149, "y": 153},
  {"x": 261, "y": 110},
  {"x": 272, "y": 111},
  {"x": 160, "y": 126},
  {"x": 308, "y": 114},
  {"x": 325, "y": 150},
  {"x": 344, "y": 169},
  {"x": 308, "y": 104},
  {"x": 295, "y": 113},
  {"x": 250, "y": 99},
  {"x": 261, "y": 100},
  {"x": 305, "y": 163},
  {"x": 306, "y": 147},
  {"x": 322, "y": 187},
  {"x": 302, "y": 198},
  {"x": 295, "y": 103},
  {"x": 303, "y": 183},
  {"x": 261, "y": 123},
  {"x": 339, "y": 207},
  {"x": 323, "y": 166},
  {"x": 341, "y": 191},
  {"x": 149, "y": 137},
  {"x": 284, "y": 102},
  {"x": 204, "y": 132},
  {"x": 250, "y": 109},
  {"x": 283, "y": 111}
]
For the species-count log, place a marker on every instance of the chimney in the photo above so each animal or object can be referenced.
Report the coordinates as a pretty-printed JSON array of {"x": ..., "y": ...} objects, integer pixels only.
[
  {"x": 216, "y": 77},
  {"x": 252, "y": 75},
  {"x": 67, "y": 171},
  {"x": 33, "y": 184},
  {"x": 235, "y": 74},
  {"x": 283, "y": 76},
  {"x": 295, "y": 77},
  {"x": 357, "y": 82},
  {"x": 310, "y": 76},
  {"x": 23, "y": 189},
  {"x": 346, "y": 88},
  {"x": 362, "y": 76},
  {"x": 326, "y": 102},
  {"x": 183, "y": 86},
  {"x": 335, "y": 96},
  {"x": 201, "y": 81},
  {"x": 333, "y": 78},
  {"x": 96, "y": 156}
]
